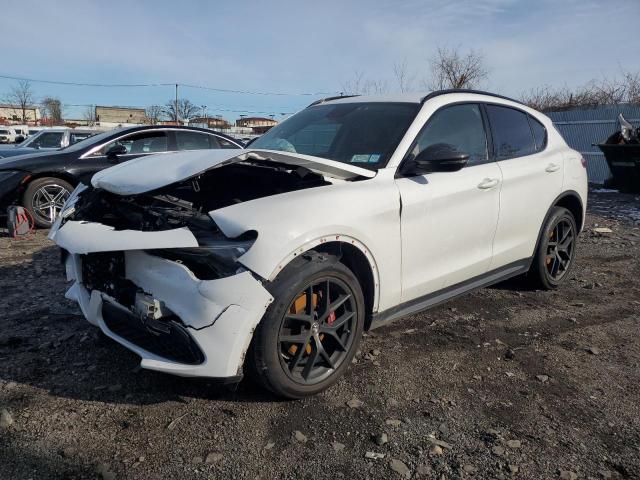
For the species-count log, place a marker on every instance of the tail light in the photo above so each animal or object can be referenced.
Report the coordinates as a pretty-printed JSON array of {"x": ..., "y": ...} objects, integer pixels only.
[{"x": 584, "y": 162}]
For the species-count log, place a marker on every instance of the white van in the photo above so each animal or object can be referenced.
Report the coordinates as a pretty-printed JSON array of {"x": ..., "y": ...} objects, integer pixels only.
[{"x": 7, "y": 134}]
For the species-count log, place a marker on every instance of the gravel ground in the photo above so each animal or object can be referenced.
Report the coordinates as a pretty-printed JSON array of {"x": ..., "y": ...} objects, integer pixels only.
[{"x": 504, "y": 383}]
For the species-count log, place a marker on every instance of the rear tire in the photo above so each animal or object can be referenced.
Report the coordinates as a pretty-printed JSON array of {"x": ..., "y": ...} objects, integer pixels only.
[
  {"x": 304, "y": 343},
  {"x": 44, "y": 198},
  {"x": 556, "y": 250}
]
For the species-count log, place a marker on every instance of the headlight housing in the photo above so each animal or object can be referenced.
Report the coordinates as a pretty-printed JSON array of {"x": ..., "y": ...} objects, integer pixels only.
[{"x": 215, "y": 258}]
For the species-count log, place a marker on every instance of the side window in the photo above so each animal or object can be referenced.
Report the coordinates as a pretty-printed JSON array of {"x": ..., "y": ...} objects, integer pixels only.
[
  {"x": 187, "y": 140},
  {"x": 223, "y": 143},
  {"x": 49, "y": 140},
  {"x": 457, "y": 125},
  {"x": 512, "y": 135},
  {"x": 138, "y": 143},
  {"x": 76, "y": 137},
  {"x": 539, "y": 134}
]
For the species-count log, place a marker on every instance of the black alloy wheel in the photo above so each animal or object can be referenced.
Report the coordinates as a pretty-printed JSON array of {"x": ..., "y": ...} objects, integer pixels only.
[
  {"x": 556, "y": 250},
  {"x": 311, "y": 331},
  {"x": 560, "y": 249},
  {"x": 317, "y": 330}
]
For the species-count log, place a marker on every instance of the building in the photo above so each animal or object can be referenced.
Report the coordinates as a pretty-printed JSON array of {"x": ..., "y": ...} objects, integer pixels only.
[
  {"x": 583, "y": 127},
  {"x": 258, "y": 125},
  {"x": 12, "y": 114},
  {"x": 210, "y": 122},
  {"x": 114, "y": 116}
]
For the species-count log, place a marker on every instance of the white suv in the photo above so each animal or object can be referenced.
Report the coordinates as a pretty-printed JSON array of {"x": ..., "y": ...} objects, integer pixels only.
[{"x": 353, "y": 212}]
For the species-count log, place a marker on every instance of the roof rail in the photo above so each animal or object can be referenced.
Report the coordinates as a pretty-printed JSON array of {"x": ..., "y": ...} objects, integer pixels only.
[
  {"x": 437, "y": 93},
  {"x": 328, "y": 99}
]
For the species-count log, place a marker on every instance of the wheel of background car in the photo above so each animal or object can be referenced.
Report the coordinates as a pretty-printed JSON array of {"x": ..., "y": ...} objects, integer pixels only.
[
  {"x": 310, "y": 333},
  {"x": 556, "y": 250},
  {"x": 44, "y": 198}
]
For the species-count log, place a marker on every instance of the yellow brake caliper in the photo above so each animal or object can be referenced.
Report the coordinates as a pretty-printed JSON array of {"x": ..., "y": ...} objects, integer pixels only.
[{"x": 299, "y": 305}]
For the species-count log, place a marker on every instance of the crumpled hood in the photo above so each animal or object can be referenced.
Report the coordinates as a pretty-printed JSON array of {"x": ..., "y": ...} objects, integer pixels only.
[{"x": 151, "y": 172}]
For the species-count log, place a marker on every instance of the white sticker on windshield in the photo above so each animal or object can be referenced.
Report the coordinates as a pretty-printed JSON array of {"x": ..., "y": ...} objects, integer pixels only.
[{"x": 365, "y": 158}]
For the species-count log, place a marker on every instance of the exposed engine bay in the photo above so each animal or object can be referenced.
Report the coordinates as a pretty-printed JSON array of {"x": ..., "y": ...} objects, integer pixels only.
[{"x": 186, "y": 203}]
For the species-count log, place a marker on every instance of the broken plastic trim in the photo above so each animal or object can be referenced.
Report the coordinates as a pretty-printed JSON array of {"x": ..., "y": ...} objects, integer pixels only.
[{"x": 215, "y": 258}]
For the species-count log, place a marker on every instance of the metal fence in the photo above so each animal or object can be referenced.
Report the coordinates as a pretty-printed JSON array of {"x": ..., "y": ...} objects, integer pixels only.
[{"x": 582, "y": 128}]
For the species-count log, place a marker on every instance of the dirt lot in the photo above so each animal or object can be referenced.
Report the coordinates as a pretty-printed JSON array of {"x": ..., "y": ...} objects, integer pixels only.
[{"x": 504, "y": 383}]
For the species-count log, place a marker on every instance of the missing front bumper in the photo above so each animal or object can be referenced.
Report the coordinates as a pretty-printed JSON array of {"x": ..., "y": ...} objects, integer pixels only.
[{"x": 219, "y": 316}]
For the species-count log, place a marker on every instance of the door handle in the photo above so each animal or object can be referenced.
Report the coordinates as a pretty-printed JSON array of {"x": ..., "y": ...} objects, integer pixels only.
[
  {"x": 552, "y": 167},
  {"x": 488, "y": 183}
]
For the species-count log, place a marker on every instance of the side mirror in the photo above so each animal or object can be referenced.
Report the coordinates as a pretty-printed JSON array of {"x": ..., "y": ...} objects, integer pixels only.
[
  {"x": 19, "y": 138},
  {"x": 439, "y": 157},
  {"x": 113, "y": 152}
]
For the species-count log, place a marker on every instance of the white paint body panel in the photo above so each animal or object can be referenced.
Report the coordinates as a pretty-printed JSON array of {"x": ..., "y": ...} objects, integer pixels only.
[
  {"x": 438, "y": 249},
  {"x": 365, "y": 214}
]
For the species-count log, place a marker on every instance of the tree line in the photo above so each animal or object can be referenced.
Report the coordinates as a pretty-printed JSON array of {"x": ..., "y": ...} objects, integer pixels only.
[
  {"x": 454, "y": 68},
  {"x": 22, "y": 98}
]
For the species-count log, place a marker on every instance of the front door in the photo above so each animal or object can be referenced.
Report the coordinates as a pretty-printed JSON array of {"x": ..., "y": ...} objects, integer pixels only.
[
  {"x": 137, "y": 144},
  {"x": 449, "y": 219}
]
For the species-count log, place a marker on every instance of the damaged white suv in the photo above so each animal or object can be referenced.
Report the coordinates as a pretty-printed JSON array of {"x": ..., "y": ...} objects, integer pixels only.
[{"x": 353, "y": 212}]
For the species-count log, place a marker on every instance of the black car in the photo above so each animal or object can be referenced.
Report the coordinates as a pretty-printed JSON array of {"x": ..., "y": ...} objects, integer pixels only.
[{"x": 41, "y": 182}]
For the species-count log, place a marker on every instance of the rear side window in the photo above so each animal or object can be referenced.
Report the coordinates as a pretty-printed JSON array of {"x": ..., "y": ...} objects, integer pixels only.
[
  {"x": 187, "y": 140},
  {"x": 539, "y": 134},
  {"x": 511, "y": 132}
]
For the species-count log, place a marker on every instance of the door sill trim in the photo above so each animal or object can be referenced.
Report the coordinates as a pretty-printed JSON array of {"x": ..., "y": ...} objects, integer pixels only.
[{"x": 440, "y": 296}]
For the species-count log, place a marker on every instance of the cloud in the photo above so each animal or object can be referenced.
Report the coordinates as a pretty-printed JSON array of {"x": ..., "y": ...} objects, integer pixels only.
[{"x": 302, "y": 46}]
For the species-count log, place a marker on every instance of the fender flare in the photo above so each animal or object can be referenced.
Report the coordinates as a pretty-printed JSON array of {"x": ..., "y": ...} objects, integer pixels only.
[
  {"x": 339, "y": 238},
  {"x": 567, "y": 193}
]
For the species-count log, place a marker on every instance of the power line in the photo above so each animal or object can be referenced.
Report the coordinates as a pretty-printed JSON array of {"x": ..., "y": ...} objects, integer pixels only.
[
  {"x": 136, "y": 85},
  {"x": 213, "y": 107}
]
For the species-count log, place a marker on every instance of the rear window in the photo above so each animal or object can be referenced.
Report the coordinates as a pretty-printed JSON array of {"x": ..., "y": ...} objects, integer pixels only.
[{"x": 511, "y": 132}]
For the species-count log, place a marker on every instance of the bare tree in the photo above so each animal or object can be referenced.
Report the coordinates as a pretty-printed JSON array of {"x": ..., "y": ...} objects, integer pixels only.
[
  {"x": 186, "y": 110},
  {"x": 21, "y": 98},
  {"x": 451, "y": 68},
  {"x": 605, "y": 91},
  {"x": 359, "y": 85},
  {"x": 154, "y": 113},
  {"x": 631, "y": 81},
  {"x": 52, "y": 108},
  {"x": 90, "y": 115},
  {"x": 403, "y": 78}
]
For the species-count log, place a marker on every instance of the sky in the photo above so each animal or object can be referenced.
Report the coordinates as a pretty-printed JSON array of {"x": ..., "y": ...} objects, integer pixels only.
[{"x": 301, "y": 47}]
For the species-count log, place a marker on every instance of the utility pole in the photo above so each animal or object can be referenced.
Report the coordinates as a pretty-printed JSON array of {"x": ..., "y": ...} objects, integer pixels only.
[{"x": 176, "y": 108}]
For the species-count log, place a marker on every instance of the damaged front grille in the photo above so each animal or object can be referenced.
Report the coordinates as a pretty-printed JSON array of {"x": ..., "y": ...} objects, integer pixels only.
[
  {"x": 167, "y": 339},
  {"x": 151, "y": 329},
  {"x": 105, "y": 272}
]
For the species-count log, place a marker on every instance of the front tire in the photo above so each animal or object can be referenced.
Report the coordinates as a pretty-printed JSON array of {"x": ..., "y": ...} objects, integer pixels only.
[
  {"x": 44, "y": 198},
  {"x": 310, "y": 333},
  {"x": 556, "y": 250}
]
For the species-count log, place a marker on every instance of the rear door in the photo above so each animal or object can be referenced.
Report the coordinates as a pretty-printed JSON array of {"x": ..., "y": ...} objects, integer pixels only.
[
  {"x": 449, "y": 219},
  {"x": 532, "y": 176}
]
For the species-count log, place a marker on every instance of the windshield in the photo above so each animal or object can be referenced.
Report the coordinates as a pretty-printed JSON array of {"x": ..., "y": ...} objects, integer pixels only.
[
  {"x": 362, "y": 134},
  {"x": 44, "y": 139}
]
